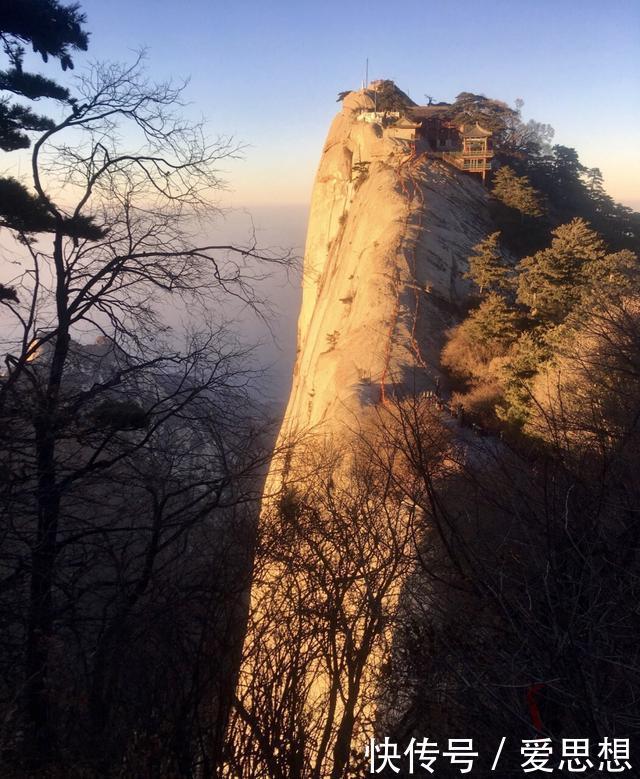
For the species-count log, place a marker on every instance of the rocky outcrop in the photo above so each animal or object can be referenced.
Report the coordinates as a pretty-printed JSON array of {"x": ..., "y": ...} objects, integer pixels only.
[{"x": 389, "y": 234}]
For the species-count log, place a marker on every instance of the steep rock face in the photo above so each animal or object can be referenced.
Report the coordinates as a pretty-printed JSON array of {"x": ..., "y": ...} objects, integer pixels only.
[
  {"x": 388, "y": 237},
  {"x": 387, "y": 245}
]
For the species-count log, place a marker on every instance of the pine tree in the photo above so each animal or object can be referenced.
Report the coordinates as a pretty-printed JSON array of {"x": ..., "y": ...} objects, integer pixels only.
[
  {"x": 493, "y": 323},
  {"x": 487, "y": 268},
  {"x": 494, "y": 115},
  {"x": 53, "y": 30},
  {"x": 552, "y": 281},
  {"x": 595, "y": 182},
  {"x": 613, "y": 275},
  {"x": 516, "y": 192},
  {"x": 485, "y": 334},
  {"x": 526, "y": 356}
]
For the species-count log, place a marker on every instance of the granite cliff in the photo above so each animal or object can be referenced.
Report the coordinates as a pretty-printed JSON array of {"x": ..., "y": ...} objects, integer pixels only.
[
  {"x": 389, "y": 233},
  {"x": 390, "y": 230}
]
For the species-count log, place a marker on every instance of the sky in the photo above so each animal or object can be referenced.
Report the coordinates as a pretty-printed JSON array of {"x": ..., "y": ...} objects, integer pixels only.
[{"x": 268, "y": 73}]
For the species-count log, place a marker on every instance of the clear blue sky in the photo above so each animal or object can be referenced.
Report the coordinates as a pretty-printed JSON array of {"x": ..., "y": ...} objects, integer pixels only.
[{"x": 268, "y": 72}]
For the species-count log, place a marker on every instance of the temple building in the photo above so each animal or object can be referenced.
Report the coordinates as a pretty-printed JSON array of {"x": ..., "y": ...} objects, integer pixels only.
[
  {"x": 476, "y": 153},
  {"x": 429, "y": 130},
  {"x": 468, "y": 147}
]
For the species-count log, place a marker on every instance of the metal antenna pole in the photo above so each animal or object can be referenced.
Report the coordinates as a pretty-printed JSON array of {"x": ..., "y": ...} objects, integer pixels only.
[{"x": 366, "y": 76}]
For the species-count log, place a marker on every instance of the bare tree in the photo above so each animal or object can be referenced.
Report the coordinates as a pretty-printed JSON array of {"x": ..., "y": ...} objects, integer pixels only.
[
  {"x": 124, "y": 183},
  {"x": 333, "y": 550},
  {"x": 519, "y": 618}
]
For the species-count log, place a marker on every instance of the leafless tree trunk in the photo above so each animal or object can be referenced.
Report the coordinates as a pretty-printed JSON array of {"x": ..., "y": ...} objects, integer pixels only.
[
  {"x": 332, "y": 553},
  {"x": 120, "y": 250},
  {"x": 518, "y": 620}
]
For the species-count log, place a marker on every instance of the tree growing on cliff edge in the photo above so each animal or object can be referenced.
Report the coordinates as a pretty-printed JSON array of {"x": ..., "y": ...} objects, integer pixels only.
[
  {"x": 516, "y": 192},
  {"x": 498, "y": 349},
  {"x": 573, "y": 190},
  {"x": 553, "y": 281},
  {"x": 487, "y": 268},
  {"x": 544, "y": 179},
  {"x": 389, "y": 97},
  {"x": 70, "y": 431}
]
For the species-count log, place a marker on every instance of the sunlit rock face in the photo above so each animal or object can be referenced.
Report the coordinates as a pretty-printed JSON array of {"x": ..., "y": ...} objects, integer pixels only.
[
  {"x": 387, "y": 245},
  {"x": 389, "y": 234}
]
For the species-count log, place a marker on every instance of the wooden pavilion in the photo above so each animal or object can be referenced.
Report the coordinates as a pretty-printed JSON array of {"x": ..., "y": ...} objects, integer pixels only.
[{"x": 476, "y": 152}]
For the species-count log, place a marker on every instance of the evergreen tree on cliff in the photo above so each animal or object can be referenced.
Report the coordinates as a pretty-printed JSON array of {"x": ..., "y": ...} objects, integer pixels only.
[
  {"x": 573, "y": 190},
  {"x": 516, "y": 192},
  {"x": 487, "y": 268},
  {"x": 553, "y": 281}
]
